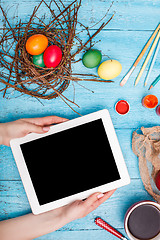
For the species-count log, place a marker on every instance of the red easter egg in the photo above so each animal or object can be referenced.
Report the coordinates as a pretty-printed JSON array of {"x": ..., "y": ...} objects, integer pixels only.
[
  {"x": 52, "y": 56},
  {"x": 158, "y": 180}
]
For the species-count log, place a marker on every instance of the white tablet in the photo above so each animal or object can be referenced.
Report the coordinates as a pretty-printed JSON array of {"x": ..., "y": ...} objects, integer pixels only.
[{"x": 73, "y": 160}]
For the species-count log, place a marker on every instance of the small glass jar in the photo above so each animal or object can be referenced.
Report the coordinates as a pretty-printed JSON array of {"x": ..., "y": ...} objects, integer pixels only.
[
  {"x": 122, "y": 107},
  {"x": 150, "y": 101},
  {"x": 158, "y": 110}
]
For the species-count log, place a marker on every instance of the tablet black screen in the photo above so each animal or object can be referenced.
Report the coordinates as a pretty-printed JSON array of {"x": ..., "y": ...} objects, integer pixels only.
[{"x": 70, "y": 161}]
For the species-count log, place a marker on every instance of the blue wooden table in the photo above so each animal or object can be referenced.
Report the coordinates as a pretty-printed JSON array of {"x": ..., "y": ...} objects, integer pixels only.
[{"x": 122, "y": 39}]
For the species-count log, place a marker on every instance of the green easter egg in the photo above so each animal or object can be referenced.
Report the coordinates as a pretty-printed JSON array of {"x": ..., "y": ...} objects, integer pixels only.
[
  {"x": 38, "y": 60},
  {"x": 92, "y": 58}
]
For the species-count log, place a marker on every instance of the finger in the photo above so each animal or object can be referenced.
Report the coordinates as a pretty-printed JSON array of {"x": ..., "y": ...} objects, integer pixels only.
[
  {"x": 92, "y": 202},
  {"x": 106, "y": 196},
  {"x": 95, "y": 200},
  {"x": 32, "y": 128},
  {"x": 45, "y": 120},
  {"x": 101, "y": 197},
  {"x": 91, "y": 199}
]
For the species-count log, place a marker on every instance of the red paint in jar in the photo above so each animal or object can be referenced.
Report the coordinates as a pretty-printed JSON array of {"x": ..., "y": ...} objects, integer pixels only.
[
  {"x": 150, "y": 101},
  {"x": 122, "y": 107},
  {"x": 158, "y": 110}
]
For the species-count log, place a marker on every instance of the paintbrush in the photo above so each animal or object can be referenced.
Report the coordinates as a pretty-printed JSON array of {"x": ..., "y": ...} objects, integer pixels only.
[
  {"x": 126, "y": 77},
  {"x": 147, "y": 58},
  {"x": 152, "y": 62}
]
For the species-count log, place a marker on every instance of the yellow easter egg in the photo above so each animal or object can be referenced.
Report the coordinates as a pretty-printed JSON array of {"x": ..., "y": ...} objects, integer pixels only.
[{"x": 109, "y": 69}]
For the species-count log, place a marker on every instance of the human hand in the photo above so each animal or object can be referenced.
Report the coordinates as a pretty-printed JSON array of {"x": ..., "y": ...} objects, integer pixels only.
[
  {"x": 32, "y": 226},
  {"x": 79, "y": 209},
  {"x": 22, "y": 127}
]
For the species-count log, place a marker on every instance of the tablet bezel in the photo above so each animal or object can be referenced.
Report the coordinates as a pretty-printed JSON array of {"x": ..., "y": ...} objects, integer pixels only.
[{"x": 115, "y": 147}]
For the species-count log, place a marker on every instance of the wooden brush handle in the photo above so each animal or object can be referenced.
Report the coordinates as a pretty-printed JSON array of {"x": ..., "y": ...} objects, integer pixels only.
[
  {"x": 125, "y": 79},
  {"x": 146, "y": 46},
  {"x": 147, "y": 58}
]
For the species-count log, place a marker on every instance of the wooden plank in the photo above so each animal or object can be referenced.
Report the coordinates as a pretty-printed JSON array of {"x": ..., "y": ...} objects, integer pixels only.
[
  {"x": 130, "y": 15},
  {"x": 13, "y": 202},
  {"x": 82, "y": 234},
  {"x": 13, "y": 197}
]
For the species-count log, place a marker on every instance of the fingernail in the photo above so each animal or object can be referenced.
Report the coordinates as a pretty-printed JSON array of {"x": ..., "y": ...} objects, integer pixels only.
[
  {"x": 46, "y": 129},
  {"x": 100, "y": 195}
]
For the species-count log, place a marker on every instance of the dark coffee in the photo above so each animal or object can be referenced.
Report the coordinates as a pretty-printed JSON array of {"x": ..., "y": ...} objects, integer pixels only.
[{"x": 144, "y": 222}]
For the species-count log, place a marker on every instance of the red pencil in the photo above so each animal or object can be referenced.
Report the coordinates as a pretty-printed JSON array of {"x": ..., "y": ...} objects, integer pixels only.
[{"x": 101, "y": 223}]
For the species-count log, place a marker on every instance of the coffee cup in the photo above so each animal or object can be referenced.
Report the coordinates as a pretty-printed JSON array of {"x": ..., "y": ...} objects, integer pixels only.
[{"x": 142, "y": 221}]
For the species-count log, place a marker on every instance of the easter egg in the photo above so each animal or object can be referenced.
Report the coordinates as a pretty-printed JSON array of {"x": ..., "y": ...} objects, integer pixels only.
[
  {"x": 38, "y": 60},
  {"x": 92, "y": 58},
  {"x": 36, "y": 44},
  {"x": 158, "y": 180},
  {"x": 109, "y": 69},
  {"x": 52, "y": 56}
]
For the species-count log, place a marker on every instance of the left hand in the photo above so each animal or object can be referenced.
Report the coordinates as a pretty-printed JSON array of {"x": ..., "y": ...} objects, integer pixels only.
[{"x": 22, "y": 127}]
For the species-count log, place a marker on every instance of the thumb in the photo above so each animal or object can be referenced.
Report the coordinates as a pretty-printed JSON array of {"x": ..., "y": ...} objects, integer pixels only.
[{"x": 32, "y": 128}]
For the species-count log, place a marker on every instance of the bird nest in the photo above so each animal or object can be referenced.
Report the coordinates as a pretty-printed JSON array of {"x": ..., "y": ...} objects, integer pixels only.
[{"x": 19, "y": 72}]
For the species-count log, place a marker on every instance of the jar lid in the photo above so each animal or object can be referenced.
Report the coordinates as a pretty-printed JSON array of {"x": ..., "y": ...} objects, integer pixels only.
[{"x": 122, "y": 107}]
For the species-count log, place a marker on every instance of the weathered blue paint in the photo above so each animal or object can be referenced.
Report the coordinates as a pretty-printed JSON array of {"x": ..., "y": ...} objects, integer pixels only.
[{"x": 122, "y": 40}]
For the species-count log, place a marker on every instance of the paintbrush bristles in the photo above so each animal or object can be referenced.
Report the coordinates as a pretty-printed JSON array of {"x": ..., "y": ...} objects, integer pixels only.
[{"x": 125, "y": 79}]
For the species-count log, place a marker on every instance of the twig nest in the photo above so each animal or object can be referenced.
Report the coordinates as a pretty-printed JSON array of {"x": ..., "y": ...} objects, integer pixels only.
[
  {"x": 42, "y": 80},
  {"x": 23, "y": 64}
]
